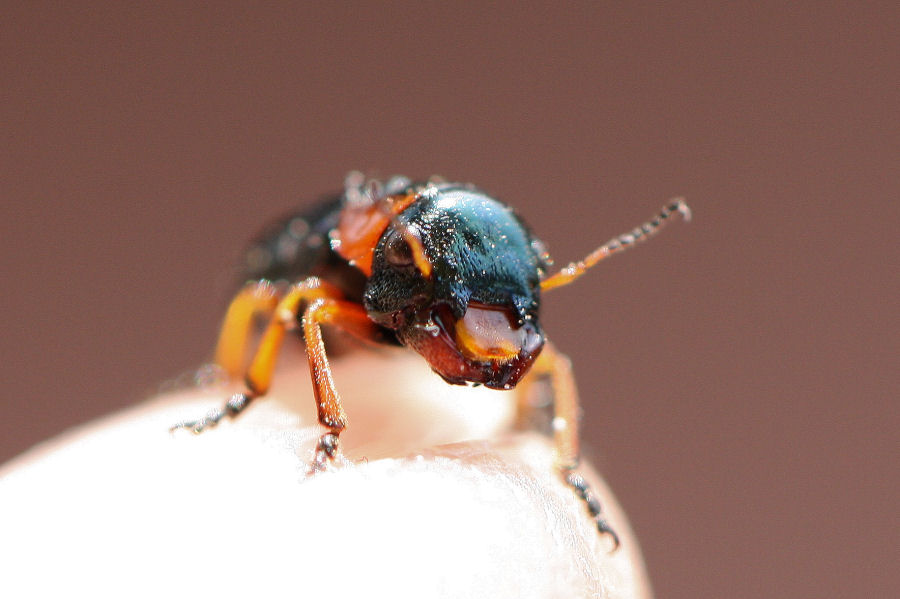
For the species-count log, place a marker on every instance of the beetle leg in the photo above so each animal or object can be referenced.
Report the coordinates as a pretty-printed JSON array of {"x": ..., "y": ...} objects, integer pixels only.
[
  {"x": 258, "y": 375},
  {"x": 583, "y": 490},
  {"x": 350, "y": 317},
  {"x": 255, "y": 299},
  {"x": 557, "y": 366}
]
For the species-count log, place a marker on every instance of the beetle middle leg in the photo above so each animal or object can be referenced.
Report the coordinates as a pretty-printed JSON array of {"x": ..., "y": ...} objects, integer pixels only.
[
  {"x": 257, "y": 298},
  {"x": 558, "y": 368}
]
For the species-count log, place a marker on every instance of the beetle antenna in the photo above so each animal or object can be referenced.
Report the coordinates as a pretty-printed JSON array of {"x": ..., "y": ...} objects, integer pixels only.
[{"x": 617, "y": 244}]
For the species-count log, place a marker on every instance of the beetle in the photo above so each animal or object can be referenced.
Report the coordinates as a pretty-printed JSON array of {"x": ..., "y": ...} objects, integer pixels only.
[{"x": 439, "y": 267}]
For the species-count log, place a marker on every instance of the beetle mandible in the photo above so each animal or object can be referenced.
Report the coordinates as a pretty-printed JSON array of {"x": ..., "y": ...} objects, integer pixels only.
[{"x": 439, "y": 267}]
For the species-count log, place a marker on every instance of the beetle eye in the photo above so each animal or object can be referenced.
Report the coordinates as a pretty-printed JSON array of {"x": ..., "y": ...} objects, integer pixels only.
[{"x": 397, "y": 251}]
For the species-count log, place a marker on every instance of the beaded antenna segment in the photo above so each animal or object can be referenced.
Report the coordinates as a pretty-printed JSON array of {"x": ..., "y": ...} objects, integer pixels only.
[{"x": 618, "y": 244}]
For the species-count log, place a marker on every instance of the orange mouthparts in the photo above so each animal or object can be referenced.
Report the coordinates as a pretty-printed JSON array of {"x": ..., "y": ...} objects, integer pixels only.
[{"x": 486, "y": 346}]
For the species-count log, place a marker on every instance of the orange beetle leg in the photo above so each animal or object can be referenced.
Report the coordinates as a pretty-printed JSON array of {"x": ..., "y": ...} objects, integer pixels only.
[
  {"x": 258, "y": 376},
  {"x": 350, "y": 317},
  {"x": 255, "y": 299},
  {"x": 555, "y": 365}
]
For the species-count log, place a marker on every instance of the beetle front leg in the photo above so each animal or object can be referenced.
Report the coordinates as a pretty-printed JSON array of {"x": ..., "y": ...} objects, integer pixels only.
[
  {"x": 558, "y": 368},
  {"x": 352, "y": 318}
]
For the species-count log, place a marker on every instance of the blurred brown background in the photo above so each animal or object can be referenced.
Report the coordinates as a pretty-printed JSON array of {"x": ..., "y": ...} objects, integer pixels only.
[{"x": 739, "y": 373}]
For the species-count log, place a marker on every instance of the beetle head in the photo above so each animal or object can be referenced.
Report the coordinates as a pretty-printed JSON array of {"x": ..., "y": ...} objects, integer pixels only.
[{"x": 457, "y": 277}]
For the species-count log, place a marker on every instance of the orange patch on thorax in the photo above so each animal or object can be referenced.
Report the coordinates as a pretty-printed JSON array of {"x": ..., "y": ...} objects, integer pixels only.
[{"x": 360, "y": 228}]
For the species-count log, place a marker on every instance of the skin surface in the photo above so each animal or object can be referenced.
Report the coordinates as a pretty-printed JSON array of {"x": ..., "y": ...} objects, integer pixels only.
[{"x": 123, "y": 507}]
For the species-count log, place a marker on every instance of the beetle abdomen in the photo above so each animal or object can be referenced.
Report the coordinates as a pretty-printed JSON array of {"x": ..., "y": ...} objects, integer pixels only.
[{"x": 296, "y": 246}]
